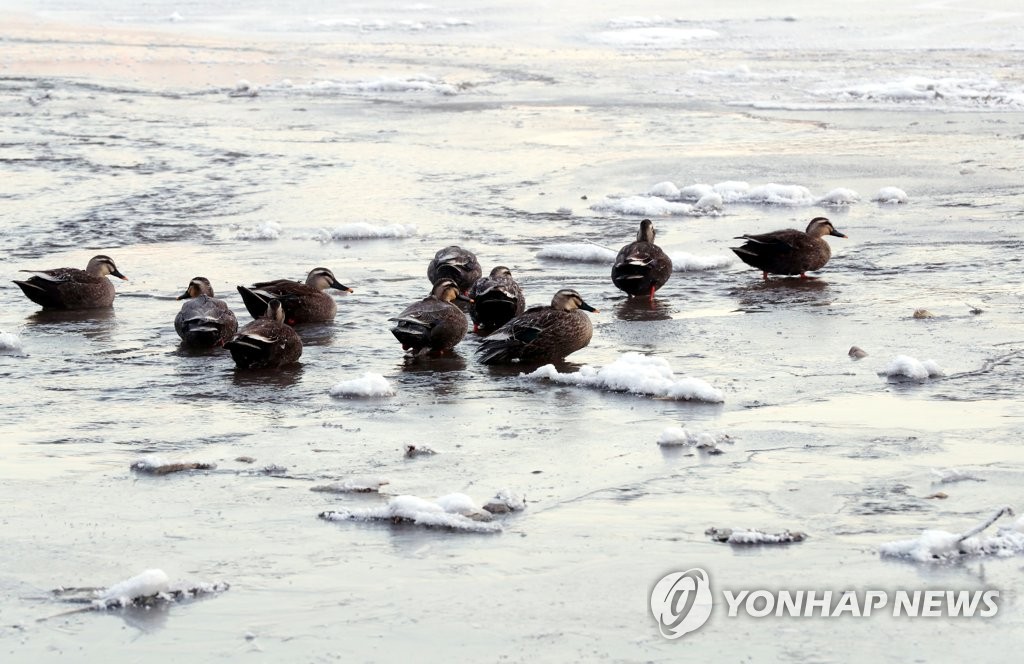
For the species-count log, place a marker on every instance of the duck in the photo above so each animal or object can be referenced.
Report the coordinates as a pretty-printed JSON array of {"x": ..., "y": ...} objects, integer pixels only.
[
  {"x": 542, "y": 333},
  {"x": 641, "y": 267},
  {"x": 302, "y": 302},
  {"x": 204, "y": 321},
  {"x": 457, "y": 264},
  {"x": 71, "y": 288},
  {"x": 434, "y": 324},
  {"x": 267, "y": 342},
  {"x": 789, "y": 251},
  {"x": 497, "y": 299}
]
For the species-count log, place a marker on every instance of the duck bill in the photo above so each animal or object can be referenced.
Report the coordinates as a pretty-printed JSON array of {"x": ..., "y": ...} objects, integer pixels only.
[
  {"x": 586, "y": 307},
  {"x": 836, "y": 233},
  {"x": 342, "y": 287},
  {"x": 118, "y": 274},
  {"x": 464, "y": 298},
  {"x": 183, "y": 296}
]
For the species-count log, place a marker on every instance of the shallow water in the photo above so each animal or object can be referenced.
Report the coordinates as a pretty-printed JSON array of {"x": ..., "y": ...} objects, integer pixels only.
[{"x": 498, "y": 128}]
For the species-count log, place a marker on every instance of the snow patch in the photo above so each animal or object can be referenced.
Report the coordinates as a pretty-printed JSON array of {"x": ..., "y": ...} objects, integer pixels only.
[
  {"x": 906, "y": 367},
  {"x": 643, "y": 206},
  {"x": 368, "y": 385},
  {"x": 750, "y": 536},
  {"x": 942, "y": 546},
  {"x": 582, "y": 253},
  {"x": 150, "y": 586},
  {"x": 353, "y": 485},
  {"x": 269, "y": 230},
  {"x": 684, "y": 262},
  {"x": 637, "y": 374},
  {"x": 891, "y": 196},
  {"x": 682, "y": 437},
  {"x": 10, "y": 344},
  {"x": 839, "y": 197},
  {"x": 366, "y": 231},
  {"x": 454, "y": 511}
]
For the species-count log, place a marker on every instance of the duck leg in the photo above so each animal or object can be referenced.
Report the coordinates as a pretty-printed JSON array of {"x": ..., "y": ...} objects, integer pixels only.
[
  {"x": 651, "y": 296},
  {"x": 764, "y": 276}
]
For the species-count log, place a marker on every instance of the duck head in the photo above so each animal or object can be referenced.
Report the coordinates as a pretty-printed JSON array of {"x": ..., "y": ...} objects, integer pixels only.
[
  {"x": 501, "y": 271},
  {"x": 820, "y": 227},
  {"x": 567, "y": 300},
  {"x": 447, "y": 290},
  {"x": 646, "y": 232},
  {"x": 198, "y": 286},
  {"x": 275, "y": 311},
  {"x": 101, "y": 266},
  {"x": 322, "y": 278}
]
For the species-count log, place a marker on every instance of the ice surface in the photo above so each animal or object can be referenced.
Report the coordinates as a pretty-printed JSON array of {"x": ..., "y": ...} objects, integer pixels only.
[
  {"x": 653, "y": 37},
  {"x": 904, "y": 366},
  {"x": 368, "y": 385},
  {"x": 383, "y": 85},
  {"x": 637, "y": 374}
]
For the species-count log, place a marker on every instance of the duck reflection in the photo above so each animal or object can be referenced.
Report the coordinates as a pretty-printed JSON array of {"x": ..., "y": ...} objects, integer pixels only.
[
  {"x": 786, "y": 291},
  {"x": 97, "y": 324},
  {"x": 316, "y": 334},
  {"x": 286, "y": 377},
  {"x": 644, "y": 309}
]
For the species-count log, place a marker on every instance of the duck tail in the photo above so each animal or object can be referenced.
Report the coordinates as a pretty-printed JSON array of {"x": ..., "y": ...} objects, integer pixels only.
[
  {"x": 411, "y": 332},
  {"x": 254, "y": 301}
]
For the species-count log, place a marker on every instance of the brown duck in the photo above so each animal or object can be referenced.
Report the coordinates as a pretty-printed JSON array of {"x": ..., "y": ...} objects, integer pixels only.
[
  {"x": 302, "y": 302},
  {"x": 789, "y": 251},
  {"x": 641, "y": 267},
  {"x": 71, "y": 288},
  {"x": 457, "y": 264},
  {"x": 204, "y": 321},
  {"x": 434, "y": 324},
  {"x": 267, "y": 342},
  {"x": 497, "y": 299},
  {"x": 541, "y": 334}
]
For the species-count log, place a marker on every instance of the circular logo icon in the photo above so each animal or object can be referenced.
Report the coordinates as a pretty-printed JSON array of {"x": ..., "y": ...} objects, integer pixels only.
[{"x": 681, "y": 602}]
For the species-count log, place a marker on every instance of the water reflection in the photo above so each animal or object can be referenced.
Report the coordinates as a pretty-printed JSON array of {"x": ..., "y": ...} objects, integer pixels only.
[
  {"x": 97, "y": 324},
  {"x": 146, "y": 619},
  {"x": 786, "y": 291},
  {"x": 644, "y": 309},
  {"x": 286, "y": 377},
  {"x": 316, "y": 334},
  {"x": 444, "y": 374},
  {"x": 436, "y": 364}
]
